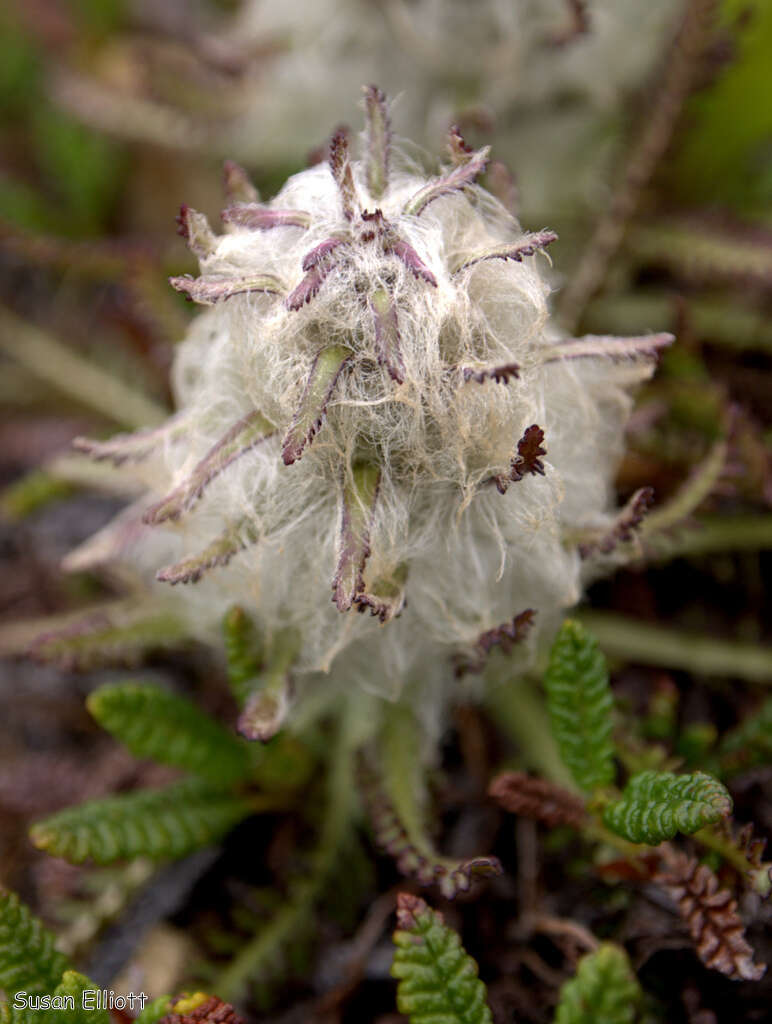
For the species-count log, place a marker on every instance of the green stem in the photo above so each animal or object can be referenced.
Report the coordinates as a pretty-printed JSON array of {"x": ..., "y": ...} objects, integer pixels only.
[
  {"x": 59, "y": 366},
  {"x": 713, "y": 840},
  {"x": 713, "y": 534},
  {"x": 597, "y": 832},
  {"x": 721, "y": 320},
  {"x": 689, "y": 496},
  {"x": 625, "y": 638},
  {"x": 404, "y": 776},
  {"x": 521, "y": 713},
  {"x": 294, "y": 915}
]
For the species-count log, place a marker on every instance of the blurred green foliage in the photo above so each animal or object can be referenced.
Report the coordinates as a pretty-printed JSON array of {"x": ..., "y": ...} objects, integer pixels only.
[
  {"x": 725, "y": 155},
  {"x": 57, "y": 176}
]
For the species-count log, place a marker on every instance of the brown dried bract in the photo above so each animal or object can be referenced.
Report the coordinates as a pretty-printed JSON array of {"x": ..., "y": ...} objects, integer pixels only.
[
  {"x": 758, "y": 873},
  {"x": 537, "y": 798},
  {"x": 711, "y": 916},
  {"x": 624, "y": 526},
  {"x": 409, "y": 907},
  {"x": 503, "y": 636},
  {"x": 213, "y": 1011},
  {"x": 528, "y": 458},
  {"x": 426, "y": 866}
]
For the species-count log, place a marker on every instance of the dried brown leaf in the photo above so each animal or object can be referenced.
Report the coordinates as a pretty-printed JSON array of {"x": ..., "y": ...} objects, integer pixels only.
[
  {"x": 711, "y": 916},
  {"x": 532, "y": 797}
]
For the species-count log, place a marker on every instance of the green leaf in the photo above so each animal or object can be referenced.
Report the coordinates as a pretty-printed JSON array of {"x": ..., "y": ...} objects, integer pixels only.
[
  {"x": 604, "y": 989},
  {"x": 398, "y": 799},
  {"x": 438, "y": 981},
  {"x": 243, "y": 651},
  {"x": 73, "y": 985},
  {"x": 580, "y": 703},
  {"x": 156, "y": 724},
  {"x": 65, "y": 1005},
  {"x": 155, "y": 823},
  {"x": 259, "y": 675},
  {"x": 106, "y": 637},
  {"x": 34, "y": 491},
  {"x": 268, "y": 696},
  {"x": 233, "y": 540},
  {"x": 154, "y": 1010},
  {"x": 656, "y": 805},
  {"x": 360, "y": 497},
  {"x": 309, "y": 416},
  {"x": 250, "y": 431},
  {"x": 28, "y": 960}
]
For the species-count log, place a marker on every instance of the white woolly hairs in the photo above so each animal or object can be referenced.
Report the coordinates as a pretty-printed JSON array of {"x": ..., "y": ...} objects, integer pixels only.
[{"x": 362, "y": 408}]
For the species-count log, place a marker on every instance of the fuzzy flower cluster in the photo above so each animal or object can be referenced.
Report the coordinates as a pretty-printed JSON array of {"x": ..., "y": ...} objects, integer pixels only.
[{"x": 376, "y": 416}]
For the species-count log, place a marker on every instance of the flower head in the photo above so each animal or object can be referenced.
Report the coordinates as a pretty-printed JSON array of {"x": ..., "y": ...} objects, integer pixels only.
[{"x": 376, "y": 416}]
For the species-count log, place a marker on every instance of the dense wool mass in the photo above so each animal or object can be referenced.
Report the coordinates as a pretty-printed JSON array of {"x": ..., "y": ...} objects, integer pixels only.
[{"x": 376, "y": 415}]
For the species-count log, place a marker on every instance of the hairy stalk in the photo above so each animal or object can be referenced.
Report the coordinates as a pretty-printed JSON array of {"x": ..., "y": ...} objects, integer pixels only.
[
  {"x": 522, "y": 714},
  {"x": 713, "y": 535},
  {"x": 723, "y": 322},
  {"x": 689, "y": 495},
  {"x": 678, "y": 81},
  {"x": 294, "y": 914},
  {"x": 712, "y": 839},
  {"x": 399, "y": 811},
  {"x": 47, "y": 358},
  {"x": 623, "y": 637},
  {"x": 703, "y": 253}
]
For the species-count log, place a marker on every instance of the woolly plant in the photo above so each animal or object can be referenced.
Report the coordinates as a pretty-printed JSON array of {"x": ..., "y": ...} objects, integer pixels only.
[{"x": 375, "y": 415}]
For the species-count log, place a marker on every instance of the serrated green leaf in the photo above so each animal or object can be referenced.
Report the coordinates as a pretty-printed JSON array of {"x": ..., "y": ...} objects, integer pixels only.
[
  {"x": 154, "y": 1010},
  {"x": 604, "y": 989},
  {"x": 73, "y": 985},
  {"x": 656, "y": 805},
  {"x": 63, "y": 1004},
  {"x": 28, "y": 960},
  {"x": 156, "y": 724},
  {"x": 10, "y": 1015},
  {"x": 107, "y": 636},
  {"x": 156, "y": 823},
  {"x": 580, "y": 703},
  {"x": 438, "y": 981},
  {"x": 243, "y": 652}
]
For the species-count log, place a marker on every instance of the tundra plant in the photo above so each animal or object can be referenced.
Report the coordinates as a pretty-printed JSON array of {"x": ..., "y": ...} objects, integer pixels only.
[{"x": 376, "y": 415}]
